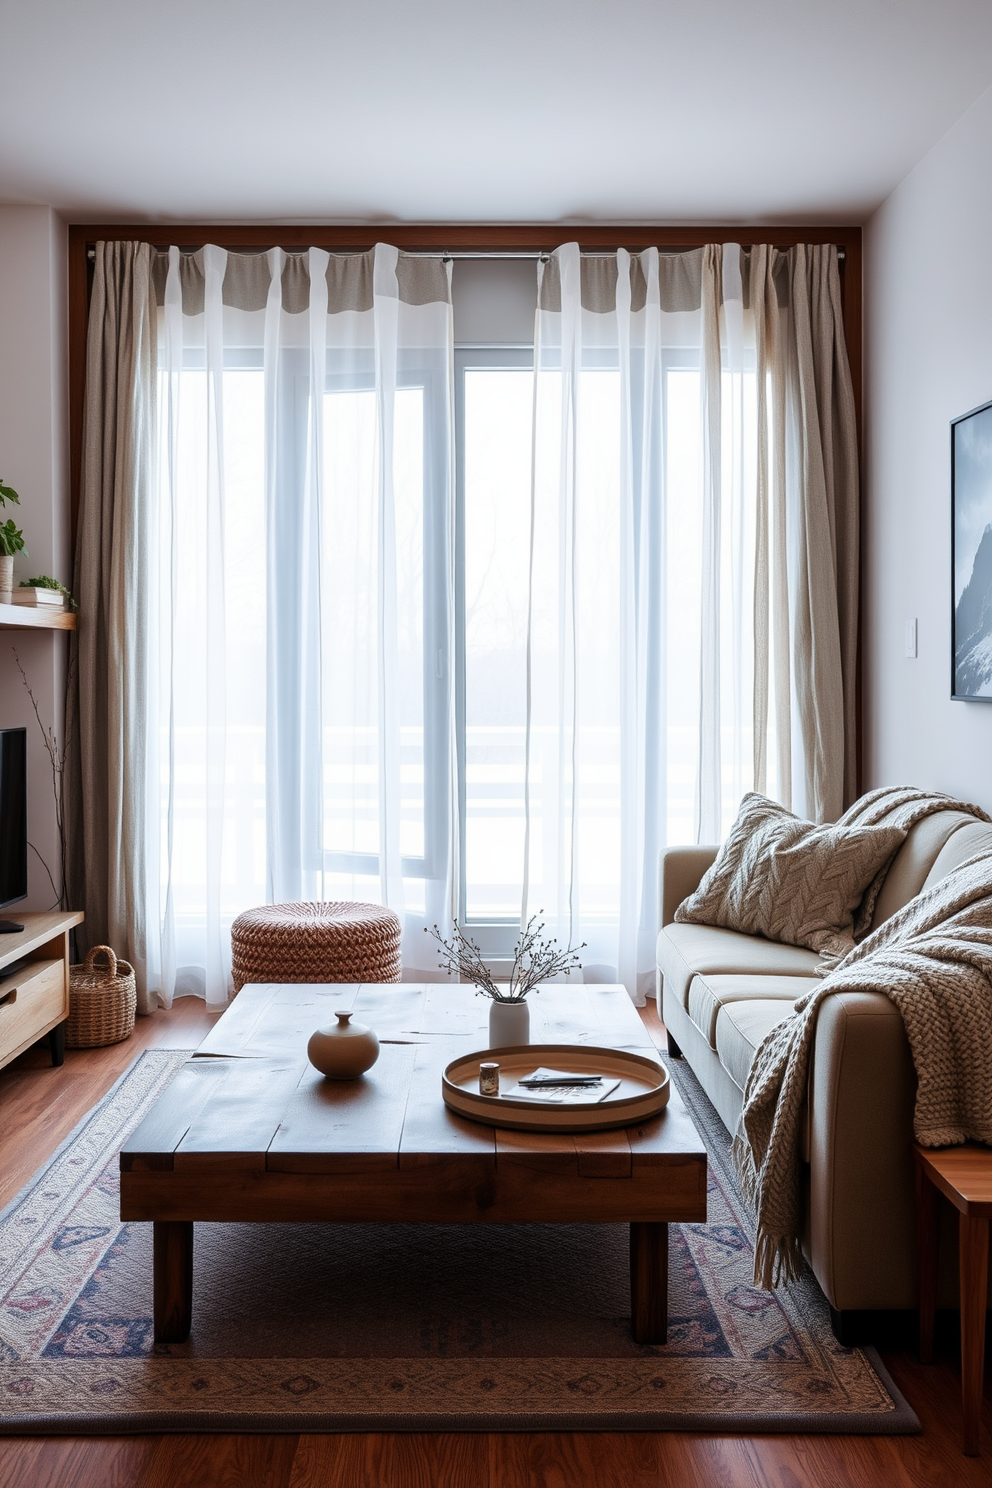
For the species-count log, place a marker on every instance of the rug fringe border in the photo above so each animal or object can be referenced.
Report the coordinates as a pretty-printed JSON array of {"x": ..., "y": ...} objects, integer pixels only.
[{"x": 38, "y": 1175}]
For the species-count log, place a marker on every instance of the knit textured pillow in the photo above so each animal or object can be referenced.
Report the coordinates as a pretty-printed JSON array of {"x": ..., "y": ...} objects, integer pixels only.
[{"x": 790, "y": 880}]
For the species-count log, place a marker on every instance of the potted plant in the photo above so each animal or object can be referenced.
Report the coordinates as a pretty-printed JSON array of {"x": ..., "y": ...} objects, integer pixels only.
[
  {"x": 536, "y": 958},
  {"x": 53, "y": 586},
  {"x": 11, "y": 542}
]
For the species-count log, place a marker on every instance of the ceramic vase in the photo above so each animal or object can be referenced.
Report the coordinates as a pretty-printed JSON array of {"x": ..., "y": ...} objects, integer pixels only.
[
  {"x": 6, "y": 578},
  {"x": 509, "y": 1023},
  {"x": 344, "y": 1051}
]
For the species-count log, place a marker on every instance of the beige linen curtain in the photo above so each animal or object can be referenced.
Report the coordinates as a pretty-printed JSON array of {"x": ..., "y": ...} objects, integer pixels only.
[
  {"x": 807, "y": 441},
  {"x": 112, "y": 552}
]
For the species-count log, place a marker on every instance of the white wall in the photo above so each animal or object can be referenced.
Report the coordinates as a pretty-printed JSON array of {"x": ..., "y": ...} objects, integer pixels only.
[
  {"x": 34, "y": 460},
  {"x": 928, "y": 298},
  {"x": 494, "y": 301}
]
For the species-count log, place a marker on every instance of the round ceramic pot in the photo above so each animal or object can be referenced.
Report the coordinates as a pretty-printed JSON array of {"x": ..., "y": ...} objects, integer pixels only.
[
  {"x": 509, "y": 1023},
  {"x": 6, "y": 578},
  {"x": 344, "y": 1051}
]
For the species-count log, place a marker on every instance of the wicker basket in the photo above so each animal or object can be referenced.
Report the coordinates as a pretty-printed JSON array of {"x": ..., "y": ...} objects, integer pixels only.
[{"x": 101, "y": 1001}]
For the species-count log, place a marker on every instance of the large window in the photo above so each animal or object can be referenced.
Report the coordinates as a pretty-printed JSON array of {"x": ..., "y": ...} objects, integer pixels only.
[
  {"x": 496, "y": 397},
  {"x": 470, "y": 600}
]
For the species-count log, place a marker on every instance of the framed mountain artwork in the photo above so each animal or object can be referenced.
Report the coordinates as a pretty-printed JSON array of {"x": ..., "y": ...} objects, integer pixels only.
[{"x": 971, "y": 555}]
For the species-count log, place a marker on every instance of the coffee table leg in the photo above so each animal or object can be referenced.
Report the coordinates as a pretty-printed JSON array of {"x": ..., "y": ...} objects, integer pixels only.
[
  {"x": 173, "y": 1280},
  {"x": 649, "y": 1282}
]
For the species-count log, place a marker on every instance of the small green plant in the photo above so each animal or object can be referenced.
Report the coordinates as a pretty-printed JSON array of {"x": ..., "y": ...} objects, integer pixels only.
[
  {"x": 44, "y": 582},
  {"x": 11, "y": 537}
]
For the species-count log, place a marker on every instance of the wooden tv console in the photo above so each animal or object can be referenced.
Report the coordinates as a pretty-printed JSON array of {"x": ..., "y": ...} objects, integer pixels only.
[{"x": 35, "y": 1000}]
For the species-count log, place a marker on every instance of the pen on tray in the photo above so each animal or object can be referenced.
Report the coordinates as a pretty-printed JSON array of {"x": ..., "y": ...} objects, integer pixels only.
[{"x": 577, "y": 1080}]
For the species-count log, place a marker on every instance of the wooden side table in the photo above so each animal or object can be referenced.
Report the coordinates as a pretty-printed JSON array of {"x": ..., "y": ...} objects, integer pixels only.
[{"x": 963, "y": 1175}]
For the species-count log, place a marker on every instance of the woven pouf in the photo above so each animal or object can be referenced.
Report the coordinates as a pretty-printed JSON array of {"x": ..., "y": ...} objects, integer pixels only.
[{"x": 315, "y": 943}]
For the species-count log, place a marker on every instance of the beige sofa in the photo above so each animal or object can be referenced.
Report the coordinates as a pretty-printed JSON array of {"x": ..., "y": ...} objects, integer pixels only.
[{"x": 719, "y": 993}]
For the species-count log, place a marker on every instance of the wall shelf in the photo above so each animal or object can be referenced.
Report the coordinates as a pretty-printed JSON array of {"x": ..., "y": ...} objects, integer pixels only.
[{"x": 40, "y": 617}]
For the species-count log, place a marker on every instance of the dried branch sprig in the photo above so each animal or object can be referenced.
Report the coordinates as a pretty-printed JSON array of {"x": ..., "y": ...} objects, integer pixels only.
[
  {"x": 58, "y": 755},
  {"x": 535, "y": 959},
  {"x": 462, "y": 958}
]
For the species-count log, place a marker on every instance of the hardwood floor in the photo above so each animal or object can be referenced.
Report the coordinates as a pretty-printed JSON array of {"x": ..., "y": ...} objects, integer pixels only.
[{"x": 39, "y": 1107}]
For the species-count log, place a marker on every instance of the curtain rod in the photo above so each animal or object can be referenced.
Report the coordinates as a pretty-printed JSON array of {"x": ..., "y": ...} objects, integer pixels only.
[
  {"x": 530, "y": 254},
  {"x": 524, "y": 255}
]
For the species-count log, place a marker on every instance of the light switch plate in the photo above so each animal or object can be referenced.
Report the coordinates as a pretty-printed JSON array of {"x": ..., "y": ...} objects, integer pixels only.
[{"x": 911, "y": 638}]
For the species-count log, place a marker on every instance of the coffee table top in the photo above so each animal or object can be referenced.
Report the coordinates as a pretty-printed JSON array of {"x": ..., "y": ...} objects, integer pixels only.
[{"x": 250, "y": 1100}]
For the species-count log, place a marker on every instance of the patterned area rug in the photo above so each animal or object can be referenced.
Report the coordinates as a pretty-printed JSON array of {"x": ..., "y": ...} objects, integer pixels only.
[{"x": 403, "y": 1327}]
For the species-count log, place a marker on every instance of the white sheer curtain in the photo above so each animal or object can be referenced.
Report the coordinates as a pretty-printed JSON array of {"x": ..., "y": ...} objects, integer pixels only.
[
  {"x": 693, "y": 540},
  {"x": 301, "y": 603},
  {"x": 688, "y": 595}
]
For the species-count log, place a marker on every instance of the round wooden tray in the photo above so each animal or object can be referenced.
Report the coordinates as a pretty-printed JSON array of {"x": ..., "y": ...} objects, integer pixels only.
[{"x": 643, "y": 1090}]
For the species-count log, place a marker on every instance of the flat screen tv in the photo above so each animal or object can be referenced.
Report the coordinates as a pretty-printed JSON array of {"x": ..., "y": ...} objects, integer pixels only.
[{"x": 13, "y": 821}]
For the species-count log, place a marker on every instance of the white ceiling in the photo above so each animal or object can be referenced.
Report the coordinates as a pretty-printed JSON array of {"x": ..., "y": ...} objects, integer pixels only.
[{"x": 488, "y": 110}]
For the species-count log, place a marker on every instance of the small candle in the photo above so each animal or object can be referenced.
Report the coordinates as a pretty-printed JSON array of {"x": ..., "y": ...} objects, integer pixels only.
[{"x": 488, "y": 1078}]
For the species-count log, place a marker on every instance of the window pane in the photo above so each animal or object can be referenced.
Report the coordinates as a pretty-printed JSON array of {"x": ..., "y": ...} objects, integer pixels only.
[
  {"x": 684, "y": 510},
  {"x": 218, "y": 773},
  {"x": 497, "y": 487},
  {"x": 575, "y": 772},
  {"x": 408, "y": 495},
  {"x": 497, "y": 458},
  {"x": 349, "y": 570},
  {"x": 351, "y": 586}
]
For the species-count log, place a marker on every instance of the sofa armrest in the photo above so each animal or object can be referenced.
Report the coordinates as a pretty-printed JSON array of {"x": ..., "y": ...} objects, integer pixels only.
[
  {"x": 681, "y": 870},
  {"x": 861, "y": 1233}
]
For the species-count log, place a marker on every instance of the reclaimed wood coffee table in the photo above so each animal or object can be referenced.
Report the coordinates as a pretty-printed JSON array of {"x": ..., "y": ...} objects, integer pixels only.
[{"x": 249, "y": 1131}]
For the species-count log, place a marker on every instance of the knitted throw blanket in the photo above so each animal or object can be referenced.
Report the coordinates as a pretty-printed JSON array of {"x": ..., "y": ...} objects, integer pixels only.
[
  {"x": 896, "y": 806},
  {"x": 933, "y": 960}
]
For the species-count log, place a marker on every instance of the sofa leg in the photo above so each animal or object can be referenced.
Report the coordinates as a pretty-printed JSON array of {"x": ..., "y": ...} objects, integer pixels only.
[
  {"x": 853, "y": 1326},
  {"x": 674, "y": 1052},
  {"x": 844, "y": 1325},
  {"x": 888, "y": 1327}
]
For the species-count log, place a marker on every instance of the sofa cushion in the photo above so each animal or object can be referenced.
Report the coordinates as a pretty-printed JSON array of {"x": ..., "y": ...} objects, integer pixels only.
[
  {"x": 708, "y": 994},
  {"x": 916, "y": 858},
  {"x": 789, "y": 879},
  {"x": 971, "y": 838},
  {"x": 684, "y": 950},
  {"x": 740, "y": 1028}
]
